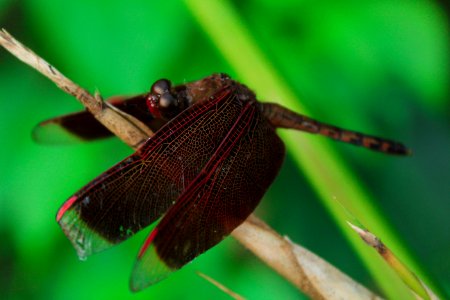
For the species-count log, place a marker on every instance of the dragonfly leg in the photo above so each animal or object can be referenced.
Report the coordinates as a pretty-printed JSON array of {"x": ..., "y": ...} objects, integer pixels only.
[{"x": 281, "y": 117}]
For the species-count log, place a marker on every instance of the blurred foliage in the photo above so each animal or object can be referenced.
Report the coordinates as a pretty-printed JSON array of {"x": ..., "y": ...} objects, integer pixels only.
[{"x": 380, "y": 67}]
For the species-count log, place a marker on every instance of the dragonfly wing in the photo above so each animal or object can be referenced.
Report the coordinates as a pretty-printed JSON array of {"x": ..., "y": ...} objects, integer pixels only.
[
  {"x": 137, "y": 191},
  {"x": 219, "y": 199}
]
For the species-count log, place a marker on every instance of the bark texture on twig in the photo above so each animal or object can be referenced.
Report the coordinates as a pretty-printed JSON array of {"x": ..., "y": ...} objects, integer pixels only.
[{"x": 309, "y": 273}]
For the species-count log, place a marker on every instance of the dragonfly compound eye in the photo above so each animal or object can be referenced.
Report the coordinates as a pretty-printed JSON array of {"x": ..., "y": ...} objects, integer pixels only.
[
  {"x": 161, "y": 102},
  {"x": 168, "y": 105},
  {"x": 160, "y": 87}
]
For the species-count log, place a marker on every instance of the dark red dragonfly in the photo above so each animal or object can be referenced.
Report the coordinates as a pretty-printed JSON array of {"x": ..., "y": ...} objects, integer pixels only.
[{"x": 213, "y": 156}]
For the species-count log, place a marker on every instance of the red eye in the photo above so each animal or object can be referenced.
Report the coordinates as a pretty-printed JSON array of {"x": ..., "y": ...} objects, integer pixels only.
[{"x": 153, "y": 105}]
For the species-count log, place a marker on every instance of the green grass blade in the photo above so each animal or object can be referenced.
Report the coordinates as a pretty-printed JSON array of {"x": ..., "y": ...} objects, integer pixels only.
[{"x": 326, "y": 171}]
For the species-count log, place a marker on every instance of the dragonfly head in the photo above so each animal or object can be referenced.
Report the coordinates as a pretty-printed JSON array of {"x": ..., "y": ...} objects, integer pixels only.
[{"x": 163, "y": 102}]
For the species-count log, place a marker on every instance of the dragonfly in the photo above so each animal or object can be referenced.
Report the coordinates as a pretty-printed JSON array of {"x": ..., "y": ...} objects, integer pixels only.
[{"x": 214, "y": 154}]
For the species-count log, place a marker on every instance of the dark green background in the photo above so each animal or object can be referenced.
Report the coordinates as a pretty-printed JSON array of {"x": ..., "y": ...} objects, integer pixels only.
[{"x": 379, "y": 66}]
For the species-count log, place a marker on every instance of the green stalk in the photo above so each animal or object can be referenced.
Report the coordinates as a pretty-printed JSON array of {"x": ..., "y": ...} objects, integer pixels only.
[
  {"x": 331, "y": 178},
  {"x": 408, "y": 277}
]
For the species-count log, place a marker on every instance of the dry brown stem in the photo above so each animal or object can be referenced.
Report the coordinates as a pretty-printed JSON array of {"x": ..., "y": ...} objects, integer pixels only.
[
  {"x": 417, "y": 286},
  {"x": 315, "y": 277},
  {"x": 311, "y": 274},
  {"x": 126, "y": 127}
]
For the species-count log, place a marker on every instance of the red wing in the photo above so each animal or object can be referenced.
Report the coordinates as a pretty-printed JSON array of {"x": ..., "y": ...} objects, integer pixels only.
[
  {"x": 82, "y": 126},
  {"x": 219, "y": 199},
  {"x": 137, "y": 191}
]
